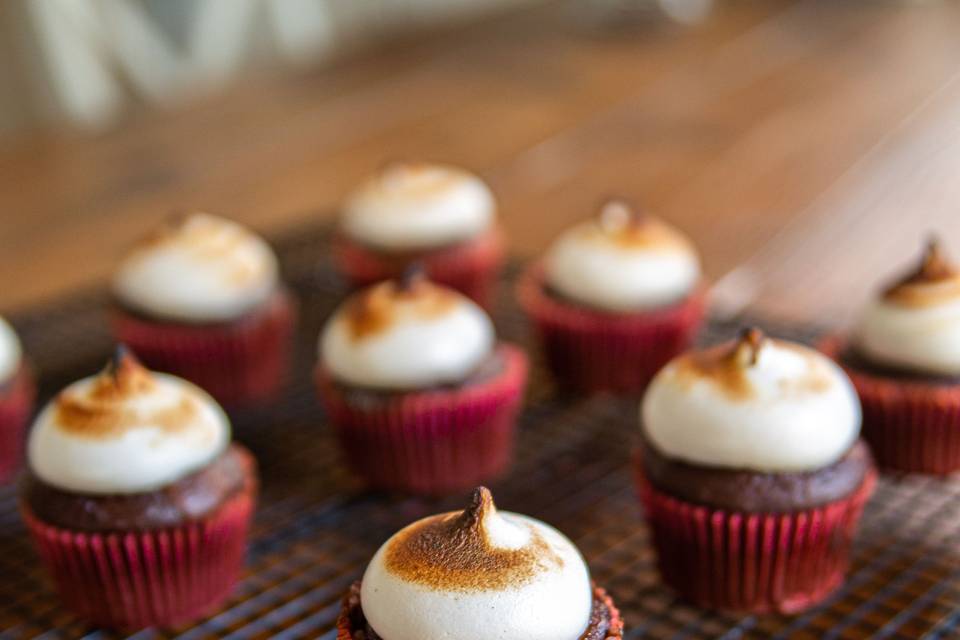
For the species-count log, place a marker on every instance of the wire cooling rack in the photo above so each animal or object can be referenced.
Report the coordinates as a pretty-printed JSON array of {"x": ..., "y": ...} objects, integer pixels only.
[{"x": 316, "y": 527}]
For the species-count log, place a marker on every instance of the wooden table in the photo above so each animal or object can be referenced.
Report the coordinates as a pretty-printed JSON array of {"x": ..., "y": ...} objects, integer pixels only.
[{"x": 807, "y": 145}]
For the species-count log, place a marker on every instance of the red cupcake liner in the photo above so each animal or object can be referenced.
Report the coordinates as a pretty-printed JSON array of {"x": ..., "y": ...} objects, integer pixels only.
[
  {"x": 592, "y": 351},
  {"x": 753, "y": 562},
  {"x": 351, "y": 615},
  {"x": 131, "y": 580},
  {"x": 16, "y": 404},
  {"x": 239, "y": 363},
  {"x": 910, "y": 426},
  {"x": 430, "y": 442},
  {"x": 471, "y": 267}
]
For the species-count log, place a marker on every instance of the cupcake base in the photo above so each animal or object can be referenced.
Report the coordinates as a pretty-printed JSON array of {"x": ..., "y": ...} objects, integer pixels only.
[
  {"x": 752, "y": 562},
  {"x": 912, "y": 426},
  {"x": 592, "y": 351},
  {"x": 16, "y": 404},
  {"x": 136, "y": 579},
  {"x": 238, "y": 363},
  {"x": 351, "y": 624},
  {"x": 471, "y": 267},
  {"x": 435, "y": 441}
]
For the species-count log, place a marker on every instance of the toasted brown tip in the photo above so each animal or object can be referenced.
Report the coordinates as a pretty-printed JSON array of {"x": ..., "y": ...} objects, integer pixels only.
[
  {"x": 481, "y": 505},
  {"x": 934, "y": 265},
  {"x": 412, "y": 275},
  {"x": 747, "y": 350},
  {"x": 123, "y": 375},
  {"x": 122, "y": 365}
]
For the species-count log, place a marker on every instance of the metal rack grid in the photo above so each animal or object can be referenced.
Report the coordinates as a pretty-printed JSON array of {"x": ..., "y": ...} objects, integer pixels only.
[{"x": 316, "y": 527}]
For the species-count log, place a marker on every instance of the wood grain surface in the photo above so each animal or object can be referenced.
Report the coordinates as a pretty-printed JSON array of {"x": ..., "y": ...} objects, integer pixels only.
[{"x": 807, "y": 145}]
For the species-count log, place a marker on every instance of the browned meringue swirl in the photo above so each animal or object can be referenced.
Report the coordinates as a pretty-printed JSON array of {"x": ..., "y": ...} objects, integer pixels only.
[
  {"x": 630, "y": 228},
  {"x": 101, "y": 410},
  {"x": 208, "y": 238},
  {"x": 375, "y": 309},
  {"x": 934, "y": 281},
  {"x": 454, "y": 552},
  {"x": 727, "y": 365}
]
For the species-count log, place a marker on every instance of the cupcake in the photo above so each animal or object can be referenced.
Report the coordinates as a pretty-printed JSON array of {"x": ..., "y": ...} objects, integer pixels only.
[
  {"x": 614, "y": 299},
  {"x": 903, "y": 356},
  {"x": 16, "y": 400},
  {"x": 752, "y": 474},
  {"x": 201, "y": 298},
  {"x": 135, "y": 498},
  {"x": 441, "y": 216},
  {"x": 420, "y": 393},
  {"x": 478, "y": 574}
]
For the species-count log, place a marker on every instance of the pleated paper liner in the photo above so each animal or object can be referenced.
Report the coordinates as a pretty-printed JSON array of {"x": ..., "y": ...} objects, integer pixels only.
[
  {"x": 911, "y": 426},
  {"x": 239, "y": 363},
  {"x": 16, "y": 405},
  {"x": 591, "y": 351},
  {"x": 471, "y": 267},
  {"x": 430, "y": 442},
  {"x": 752, "y": 562},
  {"x": 132, "y": 580},
  {"x": 350, "y": 622}
]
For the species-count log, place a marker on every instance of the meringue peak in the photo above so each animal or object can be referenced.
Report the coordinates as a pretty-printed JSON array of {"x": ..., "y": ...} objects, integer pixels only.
[
  {"x": 373, "y": 311},
  {"x": 473, "y": 550},
  {"x": 746, "y": 350},
  {"x": 934, "y": 281},
  {"x": 124, "y": 375}
]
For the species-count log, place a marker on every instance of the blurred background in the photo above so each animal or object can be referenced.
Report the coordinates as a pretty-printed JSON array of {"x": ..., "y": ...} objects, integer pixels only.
[{"x": 807, "y": 145}]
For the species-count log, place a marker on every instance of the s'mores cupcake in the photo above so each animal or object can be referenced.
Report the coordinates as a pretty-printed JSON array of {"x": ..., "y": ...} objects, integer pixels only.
[
  {"x": 903, "y": 356},
  {"x": 478, "y": 574},
  {"x": 439, "y": 215},
  {"x": 16, "y": 400},
  {"x": 201, "y": 298},
  {"x": 614, "y": 299},
  {"x": 752, "y": 474},
  {"x": 136, "y": 499},
  {"x": 419, "y": 391}
]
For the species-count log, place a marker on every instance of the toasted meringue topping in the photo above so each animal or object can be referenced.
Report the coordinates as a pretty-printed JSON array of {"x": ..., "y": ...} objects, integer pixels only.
[
  {"x": 460, "y": 552},
  {"x": 484, "y": 573},
  {"x": 405, "y": 335},
  {"x": 11, "y": 353},
  {"x": 376, "y": 309},
  {"x": 935, "y": 281},
  {"x": 126, "y": 430},
  {"x": 418, "y": 206},
  {"x": 754, "y": 403},
  {"x": 915, "y": 324},
  {"x": 622, "y": 261},
  {"x": 197, "y": 267}
]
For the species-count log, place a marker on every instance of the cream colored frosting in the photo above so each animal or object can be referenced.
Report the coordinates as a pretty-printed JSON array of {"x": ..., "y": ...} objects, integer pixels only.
[
  {"x": 406, "y": 335},
  {"x": 915, "y": 324},
  {"x": 754, "y": 404},
  {"x": 125, "y": 431},
  {"x": 622, "y": 261},
  {"x": 479, "y": 574},
  {"x": 11, "y": 353},
  {"x": 197, "y": 268},
  {"x": 418, "y": 206}
]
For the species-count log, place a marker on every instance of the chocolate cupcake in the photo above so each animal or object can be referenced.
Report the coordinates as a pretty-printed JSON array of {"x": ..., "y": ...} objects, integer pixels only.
[
  {"x": 903, "y": 356},
  {"x": 420, "y": 393},
  {"x": 478, "y": 574},
  {"x": 136, "y": 500},
  {"x": 201, "y": 298},
  {"x": 614, "y": 299},
  {"x": 441, "y": 216},
  {"x": 752, "y": 474},
  {"x": 16, "y": 400}
]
